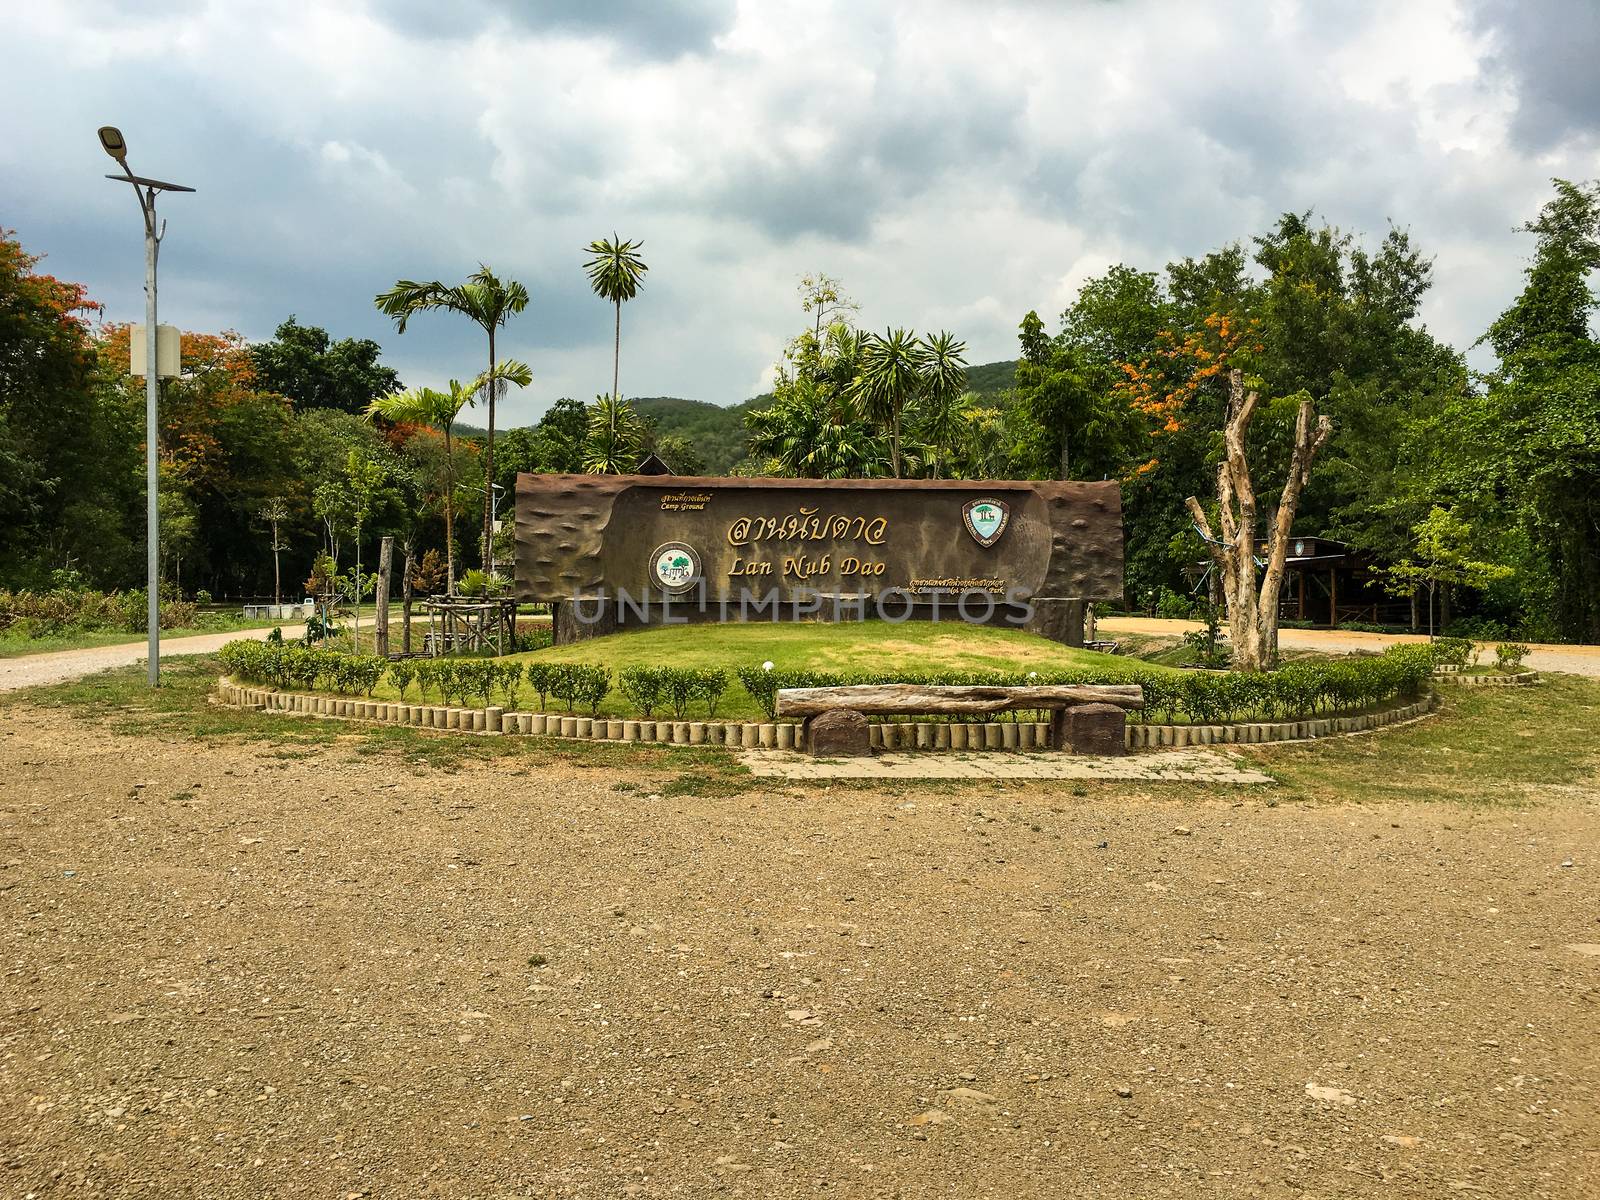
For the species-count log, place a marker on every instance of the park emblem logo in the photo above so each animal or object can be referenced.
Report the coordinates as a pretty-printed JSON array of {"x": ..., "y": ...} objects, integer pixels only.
[
  {"x": 986, "y": 519},
  {"x": 675, "y": 566}
]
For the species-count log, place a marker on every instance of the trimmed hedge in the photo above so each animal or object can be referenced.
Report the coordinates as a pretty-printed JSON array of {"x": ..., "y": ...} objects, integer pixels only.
[{"x": 1294, "y": 691}]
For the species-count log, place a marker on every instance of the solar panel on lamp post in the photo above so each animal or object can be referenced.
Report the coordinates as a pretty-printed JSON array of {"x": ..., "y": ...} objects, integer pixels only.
[{"x": 111, "y": 140}]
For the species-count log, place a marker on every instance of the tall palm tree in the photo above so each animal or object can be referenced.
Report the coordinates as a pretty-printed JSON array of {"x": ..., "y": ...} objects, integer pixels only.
[
  {"x": 944, "y": 378},
  {"x": 889, "y": 379},
  {"x": 485, "y": 299},
  {"x": 426, "y": 406},
  {"x": 615, "y": 273}
]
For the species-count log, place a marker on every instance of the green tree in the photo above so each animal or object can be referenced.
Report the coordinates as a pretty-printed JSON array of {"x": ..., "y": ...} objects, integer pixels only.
[
  {"x": 888, "y": 381},
  {"x": 486, "y": 300},
  {"x": 303, "y": 363},
  {"x": 943, "y": 379},
  {"x": 1442, "y": 555},
  {"x": 615, "y": 439},
  {"x": 615, "y": 273},
  {"x": 428, "y": 406}
]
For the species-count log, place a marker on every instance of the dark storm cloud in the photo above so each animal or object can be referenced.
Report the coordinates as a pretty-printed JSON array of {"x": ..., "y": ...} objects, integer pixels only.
[
  {"x": 1550, "y": 49},
  {"x": 648, "y": 28}
]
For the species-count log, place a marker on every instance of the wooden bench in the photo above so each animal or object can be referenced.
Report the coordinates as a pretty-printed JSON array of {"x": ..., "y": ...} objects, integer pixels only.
[{"x": 1084, "y": 718}]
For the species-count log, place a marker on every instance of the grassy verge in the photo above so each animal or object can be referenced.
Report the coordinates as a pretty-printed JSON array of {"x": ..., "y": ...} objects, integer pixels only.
[
  {"x": 119, "y": 701},
  {"x": 1486, "y": 747},
  {"x": 1494, "y": 747}
]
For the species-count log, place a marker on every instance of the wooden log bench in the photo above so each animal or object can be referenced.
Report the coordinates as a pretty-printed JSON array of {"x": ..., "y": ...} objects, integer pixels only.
[{"x": 1084, "y": 718}]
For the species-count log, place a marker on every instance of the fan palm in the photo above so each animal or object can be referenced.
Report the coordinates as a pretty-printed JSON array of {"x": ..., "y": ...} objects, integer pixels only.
[
  {"x": 615, "y": 273},
  {"x": 944, "y": 378},
  {"x": 427, "y": 406},
  {"x": 889, "y": 379},
  {"x": 485, "y": 299}
]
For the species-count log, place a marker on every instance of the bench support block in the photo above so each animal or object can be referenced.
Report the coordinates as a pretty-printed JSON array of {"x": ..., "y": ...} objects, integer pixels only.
[
  {"x": 841, "y": 733},
  {"x": 1089, "y": 729}
]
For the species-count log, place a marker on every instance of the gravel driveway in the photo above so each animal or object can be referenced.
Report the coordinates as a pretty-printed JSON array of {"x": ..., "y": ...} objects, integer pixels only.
[
  {"x": 1576, "y": 660},
  {"x": 29, "y": 670}
]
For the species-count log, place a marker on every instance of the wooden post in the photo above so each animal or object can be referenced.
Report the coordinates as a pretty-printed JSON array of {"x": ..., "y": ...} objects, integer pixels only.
[
  {"x": 1333, "y": 597},
  {"x": 405, "y": 605},
  {"x": 385, "y": 564}
]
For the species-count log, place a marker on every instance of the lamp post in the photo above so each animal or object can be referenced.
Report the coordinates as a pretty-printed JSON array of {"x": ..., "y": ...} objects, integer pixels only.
[
  {"x": 493, "y": 492},
  {"x": 145, "y": 190}
]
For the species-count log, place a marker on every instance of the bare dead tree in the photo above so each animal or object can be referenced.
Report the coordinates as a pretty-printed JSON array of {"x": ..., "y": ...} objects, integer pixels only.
[{"x": 1253, "y": 613}]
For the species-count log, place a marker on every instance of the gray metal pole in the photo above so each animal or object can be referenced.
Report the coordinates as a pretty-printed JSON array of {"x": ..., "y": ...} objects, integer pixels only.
[{"x": 152, "y": 432}]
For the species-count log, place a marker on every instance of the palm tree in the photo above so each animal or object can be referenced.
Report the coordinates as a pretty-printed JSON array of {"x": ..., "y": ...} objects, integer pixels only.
[
  {"x": 425, "y": 406},
  {"x": 890, "y": 378},
  {"x": 485, "y": 299},
  {"x": 944, "y": 378},
  {"x": 615, "y": 273},
  {"x": 615, "y": 437}
]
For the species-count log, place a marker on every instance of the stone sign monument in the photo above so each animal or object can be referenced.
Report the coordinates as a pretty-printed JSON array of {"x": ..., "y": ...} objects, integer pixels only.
[{"x": 614, "y": 552}]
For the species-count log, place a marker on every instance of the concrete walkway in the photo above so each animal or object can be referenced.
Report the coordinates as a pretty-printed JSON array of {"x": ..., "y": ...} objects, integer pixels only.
[
  {"x": 1170, "y": 766},
  {"x": 1576, "y": 660},
  {"x": 30, "y": 670}
]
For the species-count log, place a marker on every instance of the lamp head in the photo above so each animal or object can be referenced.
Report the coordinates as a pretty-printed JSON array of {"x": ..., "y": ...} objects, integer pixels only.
[{"x": 111, "y": 140}]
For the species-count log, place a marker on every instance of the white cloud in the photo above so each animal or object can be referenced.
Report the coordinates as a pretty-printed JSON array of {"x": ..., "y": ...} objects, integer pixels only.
[{"x": 954, "y": 164}]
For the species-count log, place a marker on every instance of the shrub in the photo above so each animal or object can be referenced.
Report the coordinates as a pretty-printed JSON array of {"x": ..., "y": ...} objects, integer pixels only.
[
  {"x": 1452, "y": 651},
  {"x": 710, "y": 683},
  {"x": 577, "y": 683},
  {"x": 642, "y": 687},
  {"x": 511, "y": 681},
  {"x": 541, "y": 677},
  {"x": 401, "y": 673},
  {"x": 1509, "y": 655}
]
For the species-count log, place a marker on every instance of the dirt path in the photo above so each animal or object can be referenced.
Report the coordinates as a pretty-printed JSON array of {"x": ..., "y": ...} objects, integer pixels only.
[
  {"x": 1576, "y": 660},
  {"x": 28, "y": 670},
  {"x": 240, "y": 970}
]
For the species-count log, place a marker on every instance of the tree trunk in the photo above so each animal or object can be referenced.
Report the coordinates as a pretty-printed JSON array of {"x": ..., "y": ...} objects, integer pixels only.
[
  {"x": 488, "y": 456},
  {"x": 616, "y": 370},
  {"x": 405, "y": 604},
  {"x": 1066, "y": 440},
  {"x": 277, "y": 575},
  {"x": 894, "y": 439},
  {"x": 952, "y": 699},
  {"x": 380, "y": 637},
  {"x": 355, "y": 608},
  {"x": 449, "y": 515},
  {"x": 1253, "y": 614}
]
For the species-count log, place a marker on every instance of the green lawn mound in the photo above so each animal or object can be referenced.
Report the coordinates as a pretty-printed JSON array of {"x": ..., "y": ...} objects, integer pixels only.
[{"x": 851, "y": 646}]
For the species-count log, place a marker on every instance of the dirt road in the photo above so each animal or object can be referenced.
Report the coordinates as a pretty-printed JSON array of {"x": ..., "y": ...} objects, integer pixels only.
[
  {"x": 241, "y": 970},
  {"x": 1576, "y": 660},
  {"x": 29, "y": 670}
]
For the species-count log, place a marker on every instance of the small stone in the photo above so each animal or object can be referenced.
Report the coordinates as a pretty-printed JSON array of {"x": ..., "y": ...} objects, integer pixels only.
[
  {"x": 1329, "y": 1095},
  {"x": 1182, "y": 830},
  {"x": 1566, "y": 862},
  {"x": 798, "y": 1014},
  {"x": 1403, "y": 1141},
  {"x": 934, "y": 1116},
  {"x": 1125, "y": 1093}
]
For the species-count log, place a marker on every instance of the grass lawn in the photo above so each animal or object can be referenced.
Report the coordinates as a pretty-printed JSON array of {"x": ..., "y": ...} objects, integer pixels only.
[
  {"x": 819, "y": 646},
  {"x": 1486, "y": 747}
]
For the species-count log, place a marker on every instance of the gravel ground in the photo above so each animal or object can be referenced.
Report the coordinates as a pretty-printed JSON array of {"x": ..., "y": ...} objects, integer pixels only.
[
  {"x": 234, "y": 970},
  {"x": 1573, "y": 659}
]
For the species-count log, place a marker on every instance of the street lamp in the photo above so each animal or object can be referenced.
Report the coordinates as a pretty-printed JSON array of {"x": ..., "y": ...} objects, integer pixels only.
[{"x": 145, "y": 190}]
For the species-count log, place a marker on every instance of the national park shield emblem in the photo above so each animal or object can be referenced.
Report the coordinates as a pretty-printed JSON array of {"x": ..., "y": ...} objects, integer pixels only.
[
  {"x": 676, "y": 566},
  {"x": 986, "y": 519}
]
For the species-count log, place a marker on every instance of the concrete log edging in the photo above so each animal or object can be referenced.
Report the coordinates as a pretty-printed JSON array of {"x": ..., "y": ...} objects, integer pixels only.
[
  {"x": 1517, "y": 679},
  {"x": 1012, "y": 736}
]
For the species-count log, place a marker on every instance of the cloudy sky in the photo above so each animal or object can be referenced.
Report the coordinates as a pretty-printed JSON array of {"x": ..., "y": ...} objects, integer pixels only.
[{"x": 954, "y": 164}]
